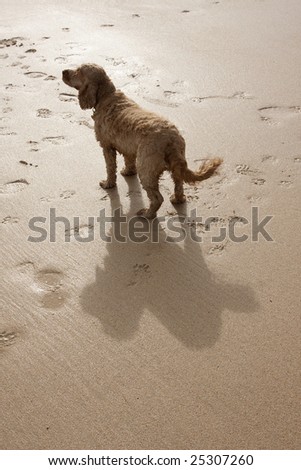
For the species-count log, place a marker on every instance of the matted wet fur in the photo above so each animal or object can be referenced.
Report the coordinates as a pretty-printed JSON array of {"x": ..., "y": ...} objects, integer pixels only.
[{"x": 149, "y": 143}]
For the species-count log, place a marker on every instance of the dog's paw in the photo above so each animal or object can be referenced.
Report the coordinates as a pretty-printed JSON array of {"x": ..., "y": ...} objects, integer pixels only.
[
  {"x": 105, "y": 184},
  {"x": 128, "y": 172},
  {"x": 177, "y": 199},
  {"x": 146, "y": 213}
]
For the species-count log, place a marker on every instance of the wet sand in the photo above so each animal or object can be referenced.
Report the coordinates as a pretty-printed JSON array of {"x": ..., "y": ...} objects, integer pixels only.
[{"x": 154, "y": 345}]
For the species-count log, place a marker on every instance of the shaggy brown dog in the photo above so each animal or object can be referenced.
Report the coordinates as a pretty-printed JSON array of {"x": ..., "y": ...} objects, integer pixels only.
[{"x": 149, "y": 143}]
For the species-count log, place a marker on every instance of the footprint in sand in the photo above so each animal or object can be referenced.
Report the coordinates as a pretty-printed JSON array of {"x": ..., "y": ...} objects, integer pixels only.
[
  {"x": 47, "y": 283},
  {"x": 217, "y": 249},
  {"x": 24, "y": 162},
  {"x": 56, "y": 140},
  {"x": 140, "y": 272},
  {"x": 13, "y": 186},
  {"x": 40, "y": 75},
  {"x": 36, "y": 74},
  {"x": 258, "y": 181},
  {"x": 10, "y": 220},
  {"x": 11, "y": 42},
  {"x": 6, "y": 131},
  {"x": 168, "y": 104},
  {"x": 241, "y": 95},
  {"x": 254, "y": 198},
  {"x": 244, "y": 169},
  {"x": 285, "y": 183},
  {"x": 68, "y": 97},
  {"x": 34, "y": 145},
  {"x": 80, "y": 233},
  {"x": 7, "y": 338},
  {"x": 269, "y": 158},
  {"x": 67, "y": 194},
  {"x": 4, "y": 56},
  {"x": 44, "y": 113},
  {"x": 61, "y": 59},
  {"x": 274, "y": 115},
  {"x": 83, "y": 122}
]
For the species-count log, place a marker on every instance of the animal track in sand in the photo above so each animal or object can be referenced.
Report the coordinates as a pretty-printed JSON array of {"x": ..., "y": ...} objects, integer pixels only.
[
  {"x": 24, "y": 162},
  {"x": 7, "y": 338},
  {"x": 13, "y": 186},
  {"x": 269, "y": 158},
  {"x": 160, "y": 102},
  {"x": 297, "y": 159},
  {"x": 36, "y": 74},
  {"x": 83, "y": 122},
  {"x": 6, "y": 131},
  {"x": 67, "y": 97},
  {"x": 217, "y": 249},
  {"x": 34, "y": 145},
  {"x": 80, "y": 232},
  {"x": 11, "y": 86},
  {"x": 67, "y": 194},
  {"x": 116, "y": 62},
  {"x": 244, "y": 169},
  {"x": 254, "y": 198},
  {"x": 140, "y": 272},
  {"x": 11, "y": 42},
  {"x": 241, "y": 95},
  {"x": 61, "y": 59},
  {"x": 4, "y": 56},
  {"x": 56, "y": 140},
  {"x": 285, "y": 183},
  {"x": 10, "y": 220},
  {"x": 274, "y": 115},
  {"x": 76, "y": 45},
  {"x": 258, "y": 181},
  {"x": 44, "y": 113}
]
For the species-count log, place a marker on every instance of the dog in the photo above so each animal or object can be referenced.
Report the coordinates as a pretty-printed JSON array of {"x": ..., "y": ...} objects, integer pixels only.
[{"x": 149, "y": 143}]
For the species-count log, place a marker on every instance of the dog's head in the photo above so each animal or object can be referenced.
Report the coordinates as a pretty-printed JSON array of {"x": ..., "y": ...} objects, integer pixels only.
[{"x": 92, "y": 84}]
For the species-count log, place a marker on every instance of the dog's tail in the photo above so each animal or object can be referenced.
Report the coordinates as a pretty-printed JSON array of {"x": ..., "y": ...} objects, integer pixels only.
[{"x": 206, "y": 170}]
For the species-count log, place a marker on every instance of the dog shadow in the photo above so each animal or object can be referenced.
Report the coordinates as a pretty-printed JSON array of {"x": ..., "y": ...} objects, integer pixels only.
[{"x": 168, "y": 280}]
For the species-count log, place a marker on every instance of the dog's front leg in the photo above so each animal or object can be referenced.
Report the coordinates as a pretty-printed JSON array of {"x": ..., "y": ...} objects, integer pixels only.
[{"x": 110, "y": 158}]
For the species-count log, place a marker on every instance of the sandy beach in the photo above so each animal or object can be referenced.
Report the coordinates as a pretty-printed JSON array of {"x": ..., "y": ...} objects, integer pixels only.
[{"x": 171, "y": 343}]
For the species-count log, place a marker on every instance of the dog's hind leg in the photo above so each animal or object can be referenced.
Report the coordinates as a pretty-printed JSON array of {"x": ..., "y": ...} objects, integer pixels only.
[
  {"x": 129, "y": 166},
  {"x": 150, "y": 166},
  {"x": 178, "y": 197},
  {"x": 110, "y": 158},
  {"x": 155, "y": 197}
]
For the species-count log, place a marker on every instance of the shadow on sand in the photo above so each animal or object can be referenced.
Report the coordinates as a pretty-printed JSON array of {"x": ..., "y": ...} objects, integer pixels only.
[{"x": 169, "y": 280}]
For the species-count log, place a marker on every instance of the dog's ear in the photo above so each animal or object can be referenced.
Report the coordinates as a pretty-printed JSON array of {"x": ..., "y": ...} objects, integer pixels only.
[{"x": 87, "y": 96}]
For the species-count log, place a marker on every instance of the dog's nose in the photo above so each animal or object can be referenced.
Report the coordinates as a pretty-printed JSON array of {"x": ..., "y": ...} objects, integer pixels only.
[{"x": 65, "y": 73}]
